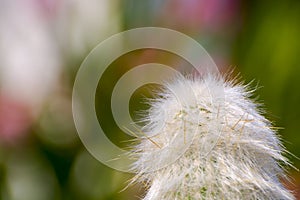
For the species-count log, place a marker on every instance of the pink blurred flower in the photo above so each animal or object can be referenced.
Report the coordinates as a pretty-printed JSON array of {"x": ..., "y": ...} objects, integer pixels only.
[
  {"x": 211, "y": 15},
  {"x": 15, "y": 119}
]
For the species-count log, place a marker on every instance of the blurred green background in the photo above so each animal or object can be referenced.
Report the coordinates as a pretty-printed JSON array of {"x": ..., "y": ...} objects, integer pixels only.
[{"x": 43, "y": 42}]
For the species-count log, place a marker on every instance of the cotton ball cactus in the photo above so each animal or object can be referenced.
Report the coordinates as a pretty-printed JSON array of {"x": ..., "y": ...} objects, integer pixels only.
[{"x": 205, "y": 139}]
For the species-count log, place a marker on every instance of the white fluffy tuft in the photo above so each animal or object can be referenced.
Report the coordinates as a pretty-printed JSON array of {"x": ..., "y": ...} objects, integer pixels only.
[{"x": 214, "y": 144}]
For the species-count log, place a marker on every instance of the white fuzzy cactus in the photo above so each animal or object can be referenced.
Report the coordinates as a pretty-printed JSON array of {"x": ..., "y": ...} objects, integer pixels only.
[{"x": 205, "y": 139}]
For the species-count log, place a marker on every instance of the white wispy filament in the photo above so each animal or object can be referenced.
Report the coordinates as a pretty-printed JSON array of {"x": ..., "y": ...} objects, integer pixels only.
[{"x": 205, "y": 139}]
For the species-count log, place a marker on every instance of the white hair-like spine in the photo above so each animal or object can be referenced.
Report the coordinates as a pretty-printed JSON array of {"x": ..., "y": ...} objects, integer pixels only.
[{"x": 232, "y": 151}]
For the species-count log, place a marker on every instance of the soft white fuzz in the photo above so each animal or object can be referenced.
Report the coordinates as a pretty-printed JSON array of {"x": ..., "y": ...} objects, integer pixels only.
[{"x": 205, "y": 139}]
